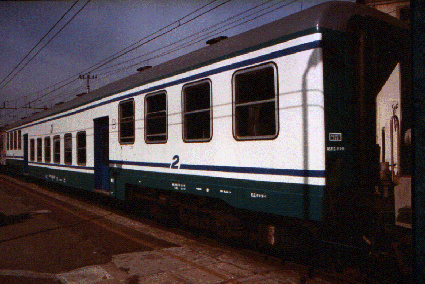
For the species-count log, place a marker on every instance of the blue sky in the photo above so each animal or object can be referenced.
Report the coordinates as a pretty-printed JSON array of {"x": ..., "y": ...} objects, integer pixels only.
[{"x": 102, "y": 29}]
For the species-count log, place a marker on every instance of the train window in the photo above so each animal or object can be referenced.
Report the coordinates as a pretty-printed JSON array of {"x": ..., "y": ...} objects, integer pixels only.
[
  {"x": 7, "y": 141},
  {"x": 156, "y": 118},
  {"x": 255, "y": 109},
  {"x": 12, "y": 140},
  {"x": 67, "y": 148},
  {"x": 126, "y": 125},
  {"x": 39, "y": 150},
  {"x": 81, "y": 148},
  {"x": 15, "y": 145},
  {"x": 57, "y": 149},
  {"x": 32, "y": 150},
  {"x": 197, "y": 112},
  {"x": 47, "y": 150},
  {"x": 19, "y": 140}
]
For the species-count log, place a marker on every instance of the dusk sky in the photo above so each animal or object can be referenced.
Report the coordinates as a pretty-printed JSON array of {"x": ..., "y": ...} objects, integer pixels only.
[{"x": 93, "y": 31}]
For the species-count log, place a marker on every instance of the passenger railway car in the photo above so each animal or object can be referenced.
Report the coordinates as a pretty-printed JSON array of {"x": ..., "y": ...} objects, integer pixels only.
[{"x": 277, "y": 123}]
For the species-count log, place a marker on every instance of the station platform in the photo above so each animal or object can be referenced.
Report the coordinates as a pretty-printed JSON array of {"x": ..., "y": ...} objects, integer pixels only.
[{"x": 47, "y": 237}]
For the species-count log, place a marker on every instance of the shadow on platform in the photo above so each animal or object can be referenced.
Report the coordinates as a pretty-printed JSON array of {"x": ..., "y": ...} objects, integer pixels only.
[{"x": 6, "y": 220}]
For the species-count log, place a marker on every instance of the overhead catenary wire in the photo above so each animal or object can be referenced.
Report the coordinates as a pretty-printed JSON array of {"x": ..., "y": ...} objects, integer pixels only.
[
  {"x": 232, "y": 27},
  {"x": 115, "y": 56},
  {"x": 216, "y": 29},
  {"x": 132, "y": 46},
  {"x": 8, "y": 114},
  {"x": 118, "y": 55},
  {"x": 200, "y": 38},
  {"x": 26, "y": 64},
  {"x": 251, "y": 17},
  {"x": 192, "y": 35},
  {"x": 180, "y": 24},
  {"x": 16, "y": 67}
]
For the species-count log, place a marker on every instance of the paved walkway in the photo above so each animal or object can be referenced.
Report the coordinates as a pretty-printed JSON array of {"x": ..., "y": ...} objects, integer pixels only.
[{"x": 188, "y": 261}]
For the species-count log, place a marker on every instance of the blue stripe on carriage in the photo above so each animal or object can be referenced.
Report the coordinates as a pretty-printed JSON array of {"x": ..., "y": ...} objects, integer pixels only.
[
  {"x": 272, "y": 55},
  {"x": 143, "y": 164},
  {"x": 61, "y": 166},
  {"x": 228, "y": 169},
  {"x": 251, "y": 170}
]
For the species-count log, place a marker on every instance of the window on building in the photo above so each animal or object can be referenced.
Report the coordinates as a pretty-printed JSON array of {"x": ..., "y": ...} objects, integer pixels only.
[
  {"x": 19, "y": 140},
  {"x": 197, "y": 113},
  {"x": 67, "y": 148},
  {"x": 32, "y": 150},
  {"x": 81, "y": 148},
  {"x": 255, "y": 107},
  {"x": 156, "y": 118},
  {"x": 57, "y": 149},
  {"x": 39, "y": 150},
  {"x": 126, "y": 125},
  {"x": 47, "y": 150}
]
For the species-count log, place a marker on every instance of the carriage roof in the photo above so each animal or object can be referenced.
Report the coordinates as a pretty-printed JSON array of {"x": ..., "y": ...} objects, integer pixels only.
[{"x": 328, "y": 15}]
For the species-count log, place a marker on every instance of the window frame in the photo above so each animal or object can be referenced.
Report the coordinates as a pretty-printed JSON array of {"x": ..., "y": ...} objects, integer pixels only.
[
  {"x": 275, "y": 99},
  {"x": 15, "y": 140},
  {"x": 19, "y": 140},
  {"x": 79, "y": 148},
  {"x": 67, "y": 151},
  {"x": 32, "y": 150},
  {"x": 55, "y": 153},
  {"x": 39, "y": 146},
  {"x": 184, "y": 113},
  {"x": 47, "y": 150},
  {"x": 12, "y": 139},
  {"x": 120, "y": 120},
  {"x": 162, "y": 92}
]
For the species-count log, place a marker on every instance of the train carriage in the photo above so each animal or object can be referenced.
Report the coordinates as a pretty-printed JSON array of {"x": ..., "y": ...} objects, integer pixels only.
[{"x": 279, "y": 120}]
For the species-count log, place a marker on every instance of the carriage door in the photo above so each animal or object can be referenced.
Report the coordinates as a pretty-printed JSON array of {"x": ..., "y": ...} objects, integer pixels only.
[
  {"x": 101, "y": 154},
  {"x": 25, "y": 168}
]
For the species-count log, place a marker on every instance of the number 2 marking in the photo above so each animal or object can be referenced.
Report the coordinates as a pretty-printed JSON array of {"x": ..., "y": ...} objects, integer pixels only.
[{"x": 175, "y": 164}]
